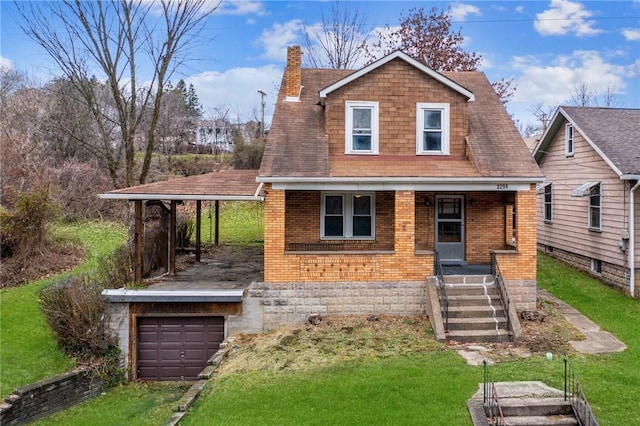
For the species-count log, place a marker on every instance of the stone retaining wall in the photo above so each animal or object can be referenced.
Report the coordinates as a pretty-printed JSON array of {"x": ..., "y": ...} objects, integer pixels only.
[{"x": 49, "y": 396}]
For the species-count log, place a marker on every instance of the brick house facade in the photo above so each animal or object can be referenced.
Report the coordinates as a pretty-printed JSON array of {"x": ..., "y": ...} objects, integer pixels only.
[{"x": 470, "y": 197}]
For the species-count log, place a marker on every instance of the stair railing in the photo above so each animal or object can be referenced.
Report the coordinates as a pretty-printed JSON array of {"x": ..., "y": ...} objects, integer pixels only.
[
  {"x": 442, "y": 292},
  {"x": 575, "y": 396},
  {"x": 502, "y": 288},
  {"x": 491, "y": 399}
]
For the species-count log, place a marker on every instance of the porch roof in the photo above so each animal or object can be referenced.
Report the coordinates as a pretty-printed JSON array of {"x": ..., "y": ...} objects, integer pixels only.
[{"x": 224, "y": 185}]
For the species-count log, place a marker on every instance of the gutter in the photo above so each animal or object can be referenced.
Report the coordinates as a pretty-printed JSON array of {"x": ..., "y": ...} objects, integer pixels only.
[
  {"x": 632, "y": 240},
  {"x": 191, "y": 197},
  {"x": 378, "y": 179}
]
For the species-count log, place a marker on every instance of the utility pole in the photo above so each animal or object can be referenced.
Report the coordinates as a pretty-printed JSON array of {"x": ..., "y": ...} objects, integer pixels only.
[{"x": 262, "y": 95}]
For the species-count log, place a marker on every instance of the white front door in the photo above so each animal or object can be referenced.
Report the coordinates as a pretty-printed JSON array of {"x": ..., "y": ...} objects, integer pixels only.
[{"x": 450, "y": 228}]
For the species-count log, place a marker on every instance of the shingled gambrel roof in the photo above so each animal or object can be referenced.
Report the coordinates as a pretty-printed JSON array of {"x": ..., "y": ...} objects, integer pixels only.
[
  {"x": 614, "y": 133},
  {"x": 298, "y": 144}
]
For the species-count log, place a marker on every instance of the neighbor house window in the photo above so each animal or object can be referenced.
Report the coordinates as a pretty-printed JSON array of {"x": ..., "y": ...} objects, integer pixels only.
[
  {"x": 596, "y": 266},
  {"x": 361, "y": 132},
  {"x": 595, "y": 207},
  {"x": 568, "y": 140},
  {"x": 349, "y": 215},
  {"x": 548, "y": 203},
  {"x": 432, "y": 128}
]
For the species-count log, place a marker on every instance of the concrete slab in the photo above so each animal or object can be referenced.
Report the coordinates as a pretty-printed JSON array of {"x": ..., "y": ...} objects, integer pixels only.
[
  {"x": 596, "y": 341},
  {"x": 524, "y": 389}
]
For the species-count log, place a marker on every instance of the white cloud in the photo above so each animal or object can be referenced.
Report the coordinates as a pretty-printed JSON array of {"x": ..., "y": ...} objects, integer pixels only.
[
  {"x": 242, "y": 7},
  {"x": 460, "y": 11},
  {"x": 237, "y": 90},
  {"x": 631, "y": 34},
  {"x": 275, "y": 40},
  {"x": 519, "y": 9},
  {"x": 554, "y": 83},
  {"x": 6, "y": 63},
  {"x": 565, "y": 17}
]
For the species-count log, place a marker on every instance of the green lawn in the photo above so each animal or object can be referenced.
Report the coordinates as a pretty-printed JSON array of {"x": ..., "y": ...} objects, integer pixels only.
[
  {"x": 240, "y": 223},
  {"x": 432, "y": 388},
  {"x": 131, "y": 404},
  {"x": 28, "y": 351}
]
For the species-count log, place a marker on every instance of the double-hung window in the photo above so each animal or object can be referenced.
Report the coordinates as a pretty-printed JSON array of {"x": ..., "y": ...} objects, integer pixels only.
[
  {"x": 595, "y": 207},
  {"x": 432, "y": 129},
  {"x": 348, "y": 215},
  {"x": 548, "y": 203},
  {"x": 361, "y": 127},
  {"x": 568, "y": 140}
]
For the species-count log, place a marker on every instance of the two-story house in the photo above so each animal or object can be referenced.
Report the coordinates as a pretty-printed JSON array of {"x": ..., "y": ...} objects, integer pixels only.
[
  {"x": 369, "y": 174},
  {"x": 588, "y": 205}
]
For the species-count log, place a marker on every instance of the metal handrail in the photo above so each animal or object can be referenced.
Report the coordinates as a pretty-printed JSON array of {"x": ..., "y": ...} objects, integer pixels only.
[
  {"x": 574, "y": 394},
  {"x": 442, "y": 292},
  {"x": 491, "y": 399},
  {"x": 502, "y": 288}
]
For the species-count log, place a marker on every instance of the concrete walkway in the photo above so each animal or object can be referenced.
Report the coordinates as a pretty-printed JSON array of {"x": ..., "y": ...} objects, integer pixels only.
[{"x": 596, "y": 340}]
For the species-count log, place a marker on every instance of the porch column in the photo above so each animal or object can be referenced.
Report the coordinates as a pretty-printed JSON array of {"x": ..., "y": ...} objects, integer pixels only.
[
  {"x": 404, "y": 238},
  {"x": 274, "y": 239},
  {"x": 137, "y": 242},
  {"x": 526, "y": 233},
  {"x": 198, "y": 226},
  {"x": 172, "y": 239}
]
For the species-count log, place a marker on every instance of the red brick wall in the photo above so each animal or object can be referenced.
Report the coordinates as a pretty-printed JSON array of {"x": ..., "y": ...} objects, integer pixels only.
[{"x": 397, "y": 87}]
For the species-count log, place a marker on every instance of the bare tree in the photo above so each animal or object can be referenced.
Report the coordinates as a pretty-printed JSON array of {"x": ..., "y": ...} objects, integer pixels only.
[
  {"x": 429, "y": 38},
  {"x": 543, "y": 113},
  {"x": 118, "y": 39},
  {"x": 336, "y": 42},
  {"x": 584, "y": 95}
]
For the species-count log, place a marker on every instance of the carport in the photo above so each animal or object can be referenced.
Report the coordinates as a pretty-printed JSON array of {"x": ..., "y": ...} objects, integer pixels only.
[
  {"x": 225, "y": 185},
  {"x": 169, "y": 334}
]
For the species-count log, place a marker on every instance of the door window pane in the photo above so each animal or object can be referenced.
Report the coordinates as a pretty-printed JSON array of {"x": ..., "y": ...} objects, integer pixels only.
[
  {"x": 450, "y": 208},
  {"x": 449, "y": 232}
]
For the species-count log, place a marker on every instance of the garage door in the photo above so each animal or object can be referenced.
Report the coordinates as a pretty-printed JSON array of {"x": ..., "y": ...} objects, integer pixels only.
[{"x": 177, "y": 348}]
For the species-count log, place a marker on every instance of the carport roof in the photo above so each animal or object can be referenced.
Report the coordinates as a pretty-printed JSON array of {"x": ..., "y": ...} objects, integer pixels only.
[{"x": 224, "y": 185}]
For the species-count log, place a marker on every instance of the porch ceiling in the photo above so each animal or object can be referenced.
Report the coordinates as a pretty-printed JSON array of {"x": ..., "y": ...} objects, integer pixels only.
[{"x": 231, "y": 185}]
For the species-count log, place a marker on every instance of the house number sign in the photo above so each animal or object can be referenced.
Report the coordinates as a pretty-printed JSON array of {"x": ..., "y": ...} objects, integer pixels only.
[{"x": 502, "y": 186}]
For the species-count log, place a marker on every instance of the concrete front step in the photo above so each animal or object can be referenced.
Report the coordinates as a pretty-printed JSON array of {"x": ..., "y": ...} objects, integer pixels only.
[
  {"x": 560, "y": 420},
  {"x": 474, "y": 300},
  {"x": 477, "y": 336},
  {"x": 468, "y": 279},
  {"x": 488, "y": 323},
  {"x": 471, "y": 289},
  {"x": 535, "y": 406},
  {"x": 475, "y": 311}
]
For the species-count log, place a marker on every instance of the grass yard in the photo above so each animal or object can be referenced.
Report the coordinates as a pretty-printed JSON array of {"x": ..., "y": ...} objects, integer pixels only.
[
  {"x": 133, "y": 404},
  {"x": 28, "y": 351},
  {"x": 432, "y": 387},
  {"x": 240, "y": 223}
]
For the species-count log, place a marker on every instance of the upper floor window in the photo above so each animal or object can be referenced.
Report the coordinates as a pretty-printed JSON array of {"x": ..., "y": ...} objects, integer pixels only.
[
  {"x": 548, "y": 203},
  {"x": 361, "y": 131},
  {"x": 348, "y": 215},
  {"x": 595, "y": 207},
  {"x": 568, "y": 140},
  {"x": 432, "y": 128}
]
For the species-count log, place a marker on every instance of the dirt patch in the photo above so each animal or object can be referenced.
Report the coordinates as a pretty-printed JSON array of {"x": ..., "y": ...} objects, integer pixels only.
[{"x": 333, "y": 340}]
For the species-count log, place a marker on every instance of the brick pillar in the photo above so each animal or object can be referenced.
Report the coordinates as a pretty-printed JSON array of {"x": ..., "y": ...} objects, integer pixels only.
[
  {"x": 274, "y": 220},
  {"x": 526, "y": 234},
  {"x": 405, "y": 224}
]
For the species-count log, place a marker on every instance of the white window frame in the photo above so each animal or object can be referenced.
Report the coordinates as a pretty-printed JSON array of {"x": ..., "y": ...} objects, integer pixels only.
[
  {"x": 569, "y": 140},
  {"x": 550, "y": 203},
  {"x": 444, "y": 108},
  {"x": 599, "y": 207},
  {"x": 348, "y": 133},
  {"x": 347, "y": 215}
]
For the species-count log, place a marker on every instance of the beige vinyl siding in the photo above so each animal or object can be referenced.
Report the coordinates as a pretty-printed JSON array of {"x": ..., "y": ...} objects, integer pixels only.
[{"x": 569, "y": 229}]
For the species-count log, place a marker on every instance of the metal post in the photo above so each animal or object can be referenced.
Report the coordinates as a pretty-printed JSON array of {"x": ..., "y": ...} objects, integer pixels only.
[
  {"x": 217, "y": 236},
  {"x": 198, "y": 230},
  {"x": 565, "y": 379},
  {"x": 262, "y": 95}
]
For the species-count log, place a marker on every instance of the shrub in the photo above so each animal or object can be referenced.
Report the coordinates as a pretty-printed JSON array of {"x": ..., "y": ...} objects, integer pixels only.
[
  {"x": 115, "y": 270},
  {"x": 185, "y": 227},
  {"x": 24, "y": 227},
  {"x": 77, "y": 313},
  {"x": 247, "y": 155}
]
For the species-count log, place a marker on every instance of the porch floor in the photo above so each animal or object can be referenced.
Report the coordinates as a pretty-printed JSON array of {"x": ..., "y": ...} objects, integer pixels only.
[
  {"x": 466, "y": 269},
  {"x": 224, "y": 267}
]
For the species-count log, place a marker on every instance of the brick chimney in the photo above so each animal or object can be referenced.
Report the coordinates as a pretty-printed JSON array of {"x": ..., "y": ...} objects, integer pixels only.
[{"x": 293, "y": 79}]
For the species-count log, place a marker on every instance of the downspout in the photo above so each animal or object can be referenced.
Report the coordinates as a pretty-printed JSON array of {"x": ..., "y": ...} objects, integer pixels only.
[{"x": 632, "y": 240}]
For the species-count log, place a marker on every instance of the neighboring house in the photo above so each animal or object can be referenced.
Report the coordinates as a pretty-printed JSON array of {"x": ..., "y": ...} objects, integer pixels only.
[
  {"x": 367, "y": 177},
  {"x": 215, "y": 133},
  {"x": 588, "y": 206}
]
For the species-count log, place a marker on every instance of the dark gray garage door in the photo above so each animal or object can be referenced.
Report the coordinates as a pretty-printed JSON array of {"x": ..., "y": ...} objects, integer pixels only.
[{"x": 176, "y": 348}]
